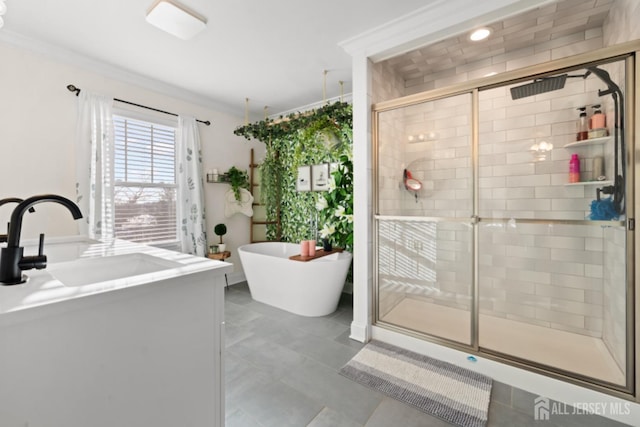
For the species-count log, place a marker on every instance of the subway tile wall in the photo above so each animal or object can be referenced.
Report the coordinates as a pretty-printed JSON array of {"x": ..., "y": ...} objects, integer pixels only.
[
  {"x": 386, "y": 83},
  {"x": 556, "y": 48},
  {"x": 433, "y": 142},
  {"x": 544, "y": 274},
  {"x": 568, "y": 277},
  {"x": 614, "y": 296}
]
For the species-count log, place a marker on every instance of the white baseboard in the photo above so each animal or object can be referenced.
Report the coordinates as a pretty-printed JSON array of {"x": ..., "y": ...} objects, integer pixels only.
[{"x": 359, "y": 332}]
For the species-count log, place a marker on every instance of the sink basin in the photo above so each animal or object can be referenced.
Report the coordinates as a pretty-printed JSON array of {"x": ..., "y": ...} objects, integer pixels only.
[
  {"x": 87, "y": 271},
  {"x": 61, "y": 250}
]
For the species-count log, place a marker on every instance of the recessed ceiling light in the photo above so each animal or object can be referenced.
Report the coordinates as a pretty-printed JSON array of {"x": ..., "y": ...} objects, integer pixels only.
[
  {"x": 175, "y": 19},
  {"x": 480, "y": 34}
]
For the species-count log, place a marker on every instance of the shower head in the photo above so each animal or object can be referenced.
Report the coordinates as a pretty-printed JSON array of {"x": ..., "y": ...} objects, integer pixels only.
[{"x": 545, "y": 84}]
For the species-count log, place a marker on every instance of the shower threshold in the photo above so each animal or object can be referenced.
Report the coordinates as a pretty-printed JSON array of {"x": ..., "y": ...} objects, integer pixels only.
[{"x": 559, "y": 349}]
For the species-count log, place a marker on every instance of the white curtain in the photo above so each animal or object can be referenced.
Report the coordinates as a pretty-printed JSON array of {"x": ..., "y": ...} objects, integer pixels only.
[
  {"x": 94, "y": 165},
  {"x": 191, "y": 215}
]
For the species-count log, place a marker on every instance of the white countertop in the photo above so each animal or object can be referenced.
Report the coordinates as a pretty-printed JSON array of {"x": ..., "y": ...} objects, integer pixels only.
[{"x": 42, "y": 288}]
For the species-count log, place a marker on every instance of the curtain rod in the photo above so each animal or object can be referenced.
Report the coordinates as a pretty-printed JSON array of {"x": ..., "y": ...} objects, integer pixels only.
[{"x": 73, "y": 88}]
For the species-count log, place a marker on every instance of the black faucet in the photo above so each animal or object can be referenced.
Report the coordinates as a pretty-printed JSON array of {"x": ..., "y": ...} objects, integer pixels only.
[
  {"x": 3, "y": 237},
  {"x": 12, "y": 260}
]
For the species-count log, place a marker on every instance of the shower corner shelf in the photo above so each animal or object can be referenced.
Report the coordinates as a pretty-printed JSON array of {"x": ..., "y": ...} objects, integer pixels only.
[
  {"x": 589, "y": 183},
  {"x": 587, "y": 142}
]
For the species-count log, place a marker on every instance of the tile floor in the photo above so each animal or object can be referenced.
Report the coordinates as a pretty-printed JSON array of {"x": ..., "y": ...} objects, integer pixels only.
[{"x": 282, "y": 370}]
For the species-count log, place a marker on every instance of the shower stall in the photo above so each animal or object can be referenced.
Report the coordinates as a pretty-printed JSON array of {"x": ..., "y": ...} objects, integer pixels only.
[{"x": 490, "y": 248}]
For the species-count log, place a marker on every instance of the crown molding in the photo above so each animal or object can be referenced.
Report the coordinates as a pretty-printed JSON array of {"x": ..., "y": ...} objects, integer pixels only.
[
  {"x": 69, "y": 57},
  {"x": 436, "y": 21}
]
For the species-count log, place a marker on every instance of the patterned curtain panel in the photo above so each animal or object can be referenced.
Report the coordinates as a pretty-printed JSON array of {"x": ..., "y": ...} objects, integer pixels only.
[
  {"x": 94, "y": 165},
  {"x": 190, "y": 188}
]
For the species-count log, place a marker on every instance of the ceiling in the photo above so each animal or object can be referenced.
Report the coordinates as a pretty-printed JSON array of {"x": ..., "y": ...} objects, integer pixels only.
[
  {"x": 529, "y": 28},
  {"x": 273, "y": 52}
]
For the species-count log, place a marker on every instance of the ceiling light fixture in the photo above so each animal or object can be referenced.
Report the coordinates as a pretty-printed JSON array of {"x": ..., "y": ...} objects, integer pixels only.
[
  {"x": 480, "y": 34},
  {"x": 175, "y": 19}
]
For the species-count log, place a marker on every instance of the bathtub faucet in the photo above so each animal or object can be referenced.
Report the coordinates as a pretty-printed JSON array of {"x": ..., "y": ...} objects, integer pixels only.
[{"x": 12, "y": 260}]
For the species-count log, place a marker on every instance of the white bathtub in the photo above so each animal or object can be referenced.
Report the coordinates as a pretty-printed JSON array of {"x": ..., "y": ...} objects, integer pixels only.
[{"x": 310, "y": 288}]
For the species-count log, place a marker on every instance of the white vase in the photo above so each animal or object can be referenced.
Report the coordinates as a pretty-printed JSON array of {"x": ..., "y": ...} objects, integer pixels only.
[{"x": 222, "y": 247}]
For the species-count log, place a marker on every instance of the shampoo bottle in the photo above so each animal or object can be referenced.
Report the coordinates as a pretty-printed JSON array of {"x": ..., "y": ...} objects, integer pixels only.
[
  {"x": 574, "y": 168},
  {"x": 597, "y": 120},
  {"x": 582, "y": 131}
]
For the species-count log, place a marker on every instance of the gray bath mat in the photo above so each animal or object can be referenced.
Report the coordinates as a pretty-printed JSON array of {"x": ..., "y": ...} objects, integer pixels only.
[{"x": 447, "y": 391}]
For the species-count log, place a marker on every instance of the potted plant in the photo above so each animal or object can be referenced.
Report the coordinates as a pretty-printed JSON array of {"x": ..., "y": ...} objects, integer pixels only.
[
  {"x": 220, "y": 230},
  {"x": 238, "y": 179}
]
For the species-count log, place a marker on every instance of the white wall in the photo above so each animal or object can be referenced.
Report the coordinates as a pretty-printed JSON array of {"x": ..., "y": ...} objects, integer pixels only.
[{"x": 37, "y": 128}]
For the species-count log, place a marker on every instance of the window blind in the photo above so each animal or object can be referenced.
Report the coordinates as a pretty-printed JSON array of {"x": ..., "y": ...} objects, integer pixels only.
[{"x": 145, "y": 181}]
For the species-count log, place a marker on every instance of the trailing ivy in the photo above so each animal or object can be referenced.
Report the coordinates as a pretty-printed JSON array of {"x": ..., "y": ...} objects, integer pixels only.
[
  {"x": 321, "y": 136},
  {"x": 331, "y": 116}
]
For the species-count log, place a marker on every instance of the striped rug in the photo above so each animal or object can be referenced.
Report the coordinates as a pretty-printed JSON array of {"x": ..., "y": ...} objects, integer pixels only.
[{"x": 454, "y": 394}]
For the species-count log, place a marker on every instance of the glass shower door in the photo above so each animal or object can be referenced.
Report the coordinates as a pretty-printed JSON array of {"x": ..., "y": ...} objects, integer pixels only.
[
  {"x": 423, "y": 223},
  {"x": 553, "y": 285}
]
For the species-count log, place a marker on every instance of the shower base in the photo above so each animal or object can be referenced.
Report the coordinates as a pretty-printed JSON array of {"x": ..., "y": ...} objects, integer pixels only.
[{"x": 568, "y": 351}]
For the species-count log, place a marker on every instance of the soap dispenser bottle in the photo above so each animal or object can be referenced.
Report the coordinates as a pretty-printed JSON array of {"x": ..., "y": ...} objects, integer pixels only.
[
  {"x": 597, "y": 120},
  {"x": 574, "y": 169},
  {"x": 582, "y": 132}
]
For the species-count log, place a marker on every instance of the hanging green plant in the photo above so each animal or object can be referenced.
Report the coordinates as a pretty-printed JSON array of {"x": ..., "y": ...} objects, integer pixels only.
[
  {"x": 321, "y": 136},
  {"x": 238, "y": 179},
  {"x": 271, "y": 171},
  {"x": 331, "y": 116}
]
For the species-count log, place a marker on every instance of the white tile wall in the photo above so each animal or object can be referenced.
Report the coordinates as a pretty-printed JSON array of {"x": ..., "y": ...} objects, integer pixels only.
[
  {"x": 442, "y": 162},
  {"x": 387, "y": 84}
]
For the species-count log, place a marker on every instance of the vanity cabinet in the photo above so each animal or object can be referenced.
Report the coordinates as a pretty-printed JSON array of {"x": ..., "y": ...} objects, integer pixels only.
[{"x": 143, "y": 355}]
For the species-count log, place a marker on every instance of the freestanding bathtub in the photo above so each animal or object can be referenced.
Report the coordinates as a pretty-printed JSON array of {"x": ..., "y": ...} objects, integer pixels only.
[{"x": 311, "y": 288}]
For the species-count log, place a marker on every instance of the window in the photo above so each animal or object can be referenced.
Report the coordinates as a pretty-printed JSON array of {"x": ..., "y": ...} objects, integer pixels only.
[{"x": 145, "y": 181}]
